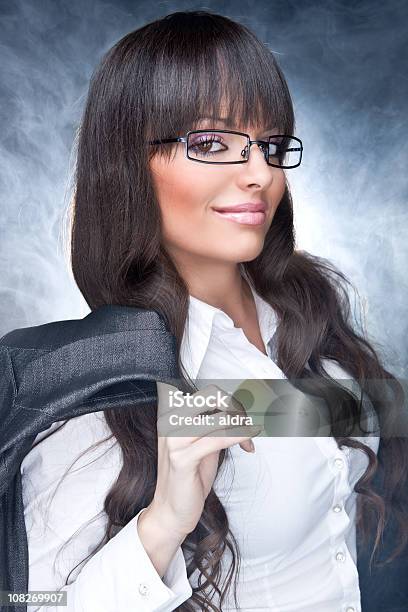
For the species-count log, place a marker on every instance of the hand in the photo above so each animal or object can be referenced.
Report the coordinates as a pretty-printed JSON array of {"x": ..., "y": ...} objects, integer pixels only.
[{"x": 187, "y": 465}]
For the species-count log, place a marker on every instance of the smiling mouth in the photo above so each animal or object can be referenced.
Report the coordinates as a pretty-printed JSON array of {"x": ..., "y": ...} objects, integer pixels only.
[{"x": 244, "y": 217}]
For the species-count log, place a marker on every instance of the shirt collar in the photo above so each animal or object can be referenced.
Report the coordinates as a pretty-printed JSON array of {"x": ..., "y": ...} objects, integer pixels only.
[{"x": 203, "y": 317}]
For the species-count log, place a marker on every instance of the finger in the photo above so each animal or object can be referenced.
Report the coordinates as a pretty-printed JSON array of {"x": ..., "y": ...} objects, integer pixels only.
[
  {"x": 173, "y": 401},
  {"x": 200, "y": 403},
  {"x": 206, "y": 445},
  {"x": 247, "y": 446},
  {"x": 173, "y": 405},
  {"x": 204, "y": 425}
]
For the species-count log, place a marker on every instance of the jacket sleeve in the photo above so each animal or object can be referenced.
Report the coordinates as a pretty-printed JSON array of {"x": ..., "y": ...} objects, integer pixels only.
[{"x": 121, "y": 576}]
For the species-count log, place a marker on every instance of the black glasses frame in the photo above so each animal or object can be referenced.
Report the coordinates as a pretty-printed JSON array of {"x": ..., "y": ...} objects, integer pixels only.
[{"x": 261, "y": 143}]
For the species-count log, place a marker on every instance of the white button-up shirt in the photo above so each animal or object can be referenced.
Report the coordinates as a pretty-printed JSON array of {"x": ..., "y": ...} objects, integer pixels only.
[{"x": 290, "y": 505}]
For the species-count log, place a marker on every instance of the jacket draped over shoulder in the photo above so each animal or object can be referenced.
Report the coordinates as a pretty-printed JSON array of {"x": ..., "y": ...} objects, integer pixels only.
[{"x": 63, "y": 369}]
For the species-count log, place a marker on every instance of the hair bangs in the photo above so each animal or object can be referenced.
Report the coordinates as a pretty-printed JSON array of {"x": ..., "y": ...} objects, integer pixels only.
[{"x": 214, "y": 73}]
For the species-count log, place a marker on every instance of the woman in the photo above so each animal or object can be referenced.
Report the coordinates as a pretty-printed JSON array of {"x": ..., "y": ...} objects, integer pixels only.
[{"x": 160, "y": 523}]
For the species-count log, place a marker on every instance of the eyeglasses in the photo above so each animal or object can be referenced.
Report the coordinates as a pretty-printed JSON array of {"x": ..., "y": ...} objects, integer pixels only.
[{"x": 229, "y": 147}]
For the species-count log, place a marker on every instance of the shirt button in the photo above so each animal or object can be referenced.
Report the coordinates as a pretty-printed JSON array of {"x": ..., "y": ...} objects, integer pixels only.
[
  {"x": 143, "y": 589},
  {"x": 350, "y": 609},
  {"x": 339, "y": 463},
  {"x": 337, "y": 508},
  {"x": 340, "y": 556}
]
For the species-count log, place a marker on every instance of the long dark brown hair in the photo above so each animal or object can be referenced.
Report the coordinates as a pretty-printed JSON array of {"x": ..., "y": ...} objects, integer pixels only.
[{"x": 157, "y": 82}]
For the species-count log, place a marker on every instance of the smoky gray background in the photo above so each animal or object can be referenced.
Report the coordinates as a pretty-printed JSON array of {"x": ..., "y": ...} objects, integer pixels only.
[{"x": 345, "y": 63}]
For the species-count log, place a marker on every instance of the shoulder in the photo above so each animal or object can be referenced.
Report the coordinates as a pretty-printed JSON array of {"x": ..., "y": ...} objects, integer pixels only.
[
  {"x": 106, "y": 319},
  {"x": 58, "y": 370}
]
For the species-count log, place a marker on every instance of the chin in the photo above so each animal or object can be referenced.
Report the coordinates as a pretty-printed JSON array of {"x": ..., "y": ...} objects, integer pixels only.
[{"x": 248, "y": 254}]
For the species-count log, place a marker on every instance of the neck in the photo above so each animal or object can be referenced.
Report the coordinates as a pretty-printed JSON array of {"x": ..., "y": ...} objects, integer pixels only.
[{"x": 221, "y": 285}]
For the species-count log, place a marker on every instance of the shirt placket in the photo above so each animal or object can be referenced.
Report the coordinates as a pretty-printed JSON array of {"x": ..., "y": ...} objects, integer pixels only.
[{"x": 339, "y": 522}]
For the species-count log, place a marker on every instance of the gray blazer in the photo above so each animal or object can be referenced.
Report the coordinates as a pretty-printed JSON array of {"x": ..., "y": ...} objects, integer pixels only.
[{"x": 64, "y": 369}]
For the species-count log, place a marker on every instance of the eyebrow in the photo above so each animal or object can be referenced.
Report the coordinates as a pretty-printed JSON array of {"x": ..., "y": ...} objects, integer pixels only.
[{"x": 227, "y": 121}]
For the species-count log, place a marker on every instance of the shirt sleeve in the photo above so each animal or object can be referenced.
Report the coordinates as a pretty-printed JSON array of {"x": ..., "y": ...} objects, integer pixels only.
[{"x": 121, "y": 576}]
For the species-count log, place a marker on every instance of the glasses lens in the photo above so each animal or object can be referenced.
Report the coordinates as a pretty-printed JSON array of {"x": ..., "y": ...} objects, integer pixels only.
[
  {"x": 216, "y": 147},
  {"x": 284, "y": 151},
  {"x": 221, "y": 147}
]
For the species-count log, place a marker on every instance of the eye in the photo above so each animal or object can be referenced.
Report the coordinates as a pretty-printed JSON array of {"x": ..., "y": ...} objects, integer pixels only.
[
  {"x": 203, "y": 144},
  {"x": 278, "y": 140}
]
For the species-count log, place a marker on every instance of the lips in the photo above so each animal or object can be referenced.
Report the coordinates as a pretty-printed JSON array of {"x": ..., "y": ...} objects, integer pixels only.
[
  {"x": 249, "y": 213},
  {"x": 245, "y": 207}
]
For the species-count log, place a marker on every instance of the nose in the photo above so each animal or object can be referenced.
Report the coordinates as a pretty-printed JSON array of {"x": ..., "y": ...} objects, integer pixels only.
[
  {"x": 254, "y": 171},
  {"x": 262, "y": 146}
]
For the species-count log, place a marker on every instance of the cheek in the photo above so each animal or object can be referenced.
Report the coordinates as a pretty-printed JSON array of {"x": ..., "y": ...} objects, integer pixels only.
[
  {"x": 184, "y": 197},
  {"x": 181, "y": 188},
  {"x": 277, "y": 189}
]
